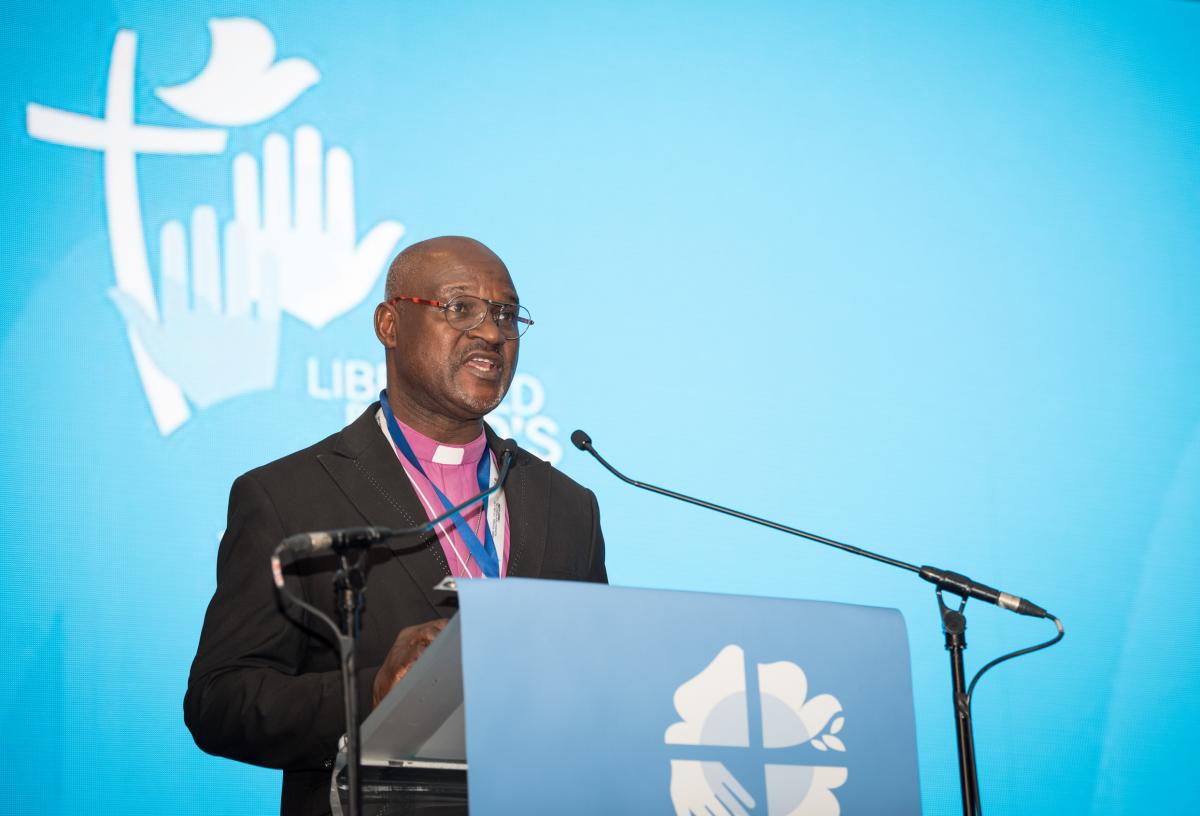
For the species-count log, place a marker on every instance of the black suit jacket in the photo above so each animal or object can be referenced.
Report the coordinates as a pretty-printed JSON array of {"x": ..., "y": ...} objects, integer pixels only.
[{"x": 265, "y": 687}]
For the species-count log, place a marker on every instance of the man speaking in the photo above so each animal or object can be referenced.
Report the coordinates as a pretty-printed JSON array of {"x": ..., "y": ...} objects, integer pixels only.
[{"x": 265, "y": 687}]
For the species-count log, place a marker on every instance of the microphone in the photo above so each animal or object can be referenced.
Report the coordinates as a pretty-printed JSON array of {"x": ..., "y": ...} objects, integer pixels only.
[
  {"x": 964, "y": 587},
  {"x": 349, "y": 538},
  {"x": 952, "y": 582}
]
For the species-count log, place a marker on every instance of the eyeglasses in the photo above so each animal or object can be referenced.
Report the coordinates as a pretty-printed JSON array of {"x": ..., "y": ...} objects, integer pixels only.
[{"x": 465, "y": 312}]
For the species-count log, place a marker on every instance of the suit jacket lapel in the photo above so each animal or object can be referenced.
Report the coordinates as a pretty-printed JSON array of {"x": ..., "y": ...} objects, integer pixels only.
[
  {"x": 526, "y": 492},
  {"x": 366, "y": 469}
]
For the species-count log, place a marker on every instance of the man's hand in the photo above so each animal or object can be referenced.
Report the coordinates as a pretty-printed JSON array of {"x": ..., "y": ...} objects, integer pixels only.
[{"x": 410, "y": 644}]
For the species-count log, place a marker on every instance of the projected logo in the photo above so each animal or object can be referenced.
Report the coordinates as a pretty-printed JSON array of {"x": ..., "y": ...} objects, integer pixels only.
[
  {"x": 212, "y": 332},
  {"x": 292, "y": 245},
  {"x": 714, "y": 712}
]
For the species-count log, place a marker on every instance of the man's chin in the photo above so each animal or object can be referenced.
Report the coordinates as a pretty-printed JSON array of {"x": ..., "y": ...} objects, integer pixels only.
[
  {"x": 482, "y": 404},
  {"x": 481, "y": 396}
]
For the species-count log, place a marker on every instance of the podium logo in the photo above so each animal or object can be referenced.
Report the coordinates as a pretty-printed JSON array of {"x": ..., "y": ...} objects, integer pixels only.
[{"x": 713, "y": 712}]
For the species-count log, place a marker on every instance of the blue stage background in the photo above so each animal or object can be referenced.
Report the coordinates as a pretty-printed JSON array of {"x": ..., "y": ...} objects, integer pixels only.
[{"x": 918, "y": 276}]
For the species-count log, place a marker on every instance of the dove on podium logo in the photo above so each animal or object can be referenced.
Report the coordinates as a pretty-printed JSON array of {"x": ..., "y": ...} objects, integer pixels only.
[
  {"x": 291, "y": 247},
  {"x": 714, "y": 712}
]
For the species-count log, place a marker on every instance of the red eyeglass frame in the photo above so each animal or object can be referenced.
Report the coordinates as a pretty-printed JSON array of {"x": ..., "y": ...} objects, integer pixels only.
[{"x": 437, "y": 304}]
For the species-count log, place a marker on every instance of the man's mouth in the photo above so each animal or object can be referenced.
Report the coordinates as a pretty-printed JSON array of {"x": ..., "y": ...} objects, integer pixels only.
[{"x": 485, "y": 364}]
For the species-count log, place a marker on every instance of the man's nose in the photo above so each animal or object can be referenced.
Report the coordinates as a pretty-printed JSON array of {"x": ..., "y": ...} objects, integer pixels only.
[{"x": 489, "y": 329}]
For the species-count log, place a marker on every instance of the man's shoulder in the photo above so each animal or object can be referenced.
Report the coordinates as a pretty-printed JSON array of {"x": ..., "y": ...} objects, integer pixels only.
[
  {"x": 306, "y": 461},
  {"x": 559, "y": 482},
  {"x": 292, "y": 463},
  {"x": 562, "y": 481}
]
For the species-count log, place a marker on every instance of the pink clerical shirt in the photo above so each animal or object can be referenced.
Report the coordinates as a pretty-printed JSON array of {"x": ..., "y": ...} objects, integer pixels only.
[{"x": 454, "y": 469}]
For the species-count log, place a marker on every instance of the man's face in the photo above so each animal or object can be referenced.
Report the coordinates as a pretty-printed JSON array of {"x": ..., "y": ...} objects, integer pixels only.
[{"x": 441, "y": 370}]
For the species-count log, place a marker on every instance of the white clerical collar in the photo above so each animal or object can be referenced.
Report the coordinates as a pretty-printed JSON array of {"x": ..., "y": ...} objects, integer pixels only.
[{"x": 448, "y": 455}]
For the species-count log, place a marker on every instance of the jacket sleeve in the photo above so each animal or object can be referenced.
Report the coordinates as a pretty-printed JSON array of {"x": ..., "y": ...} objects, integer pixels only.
[
  {"x": 248, "y": 697},
  {"x": 597, "y": 572}
]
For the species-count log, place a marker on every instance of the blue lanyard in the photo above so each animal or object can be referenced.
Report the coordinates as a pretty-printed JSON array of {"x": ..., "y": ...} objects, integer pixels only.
[{"x": 483, "y": 552}]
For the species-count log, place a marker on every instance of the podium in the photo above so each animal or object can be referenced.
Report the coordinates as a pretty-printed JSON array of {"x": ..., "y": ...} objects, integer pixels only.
[{"x": 577, "y": 698}]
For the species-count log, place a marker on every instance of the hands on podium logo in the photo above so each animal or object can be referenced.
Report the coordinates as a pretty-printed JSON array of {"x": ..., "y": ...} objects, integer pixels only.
[{"x": 714, "y": 712}]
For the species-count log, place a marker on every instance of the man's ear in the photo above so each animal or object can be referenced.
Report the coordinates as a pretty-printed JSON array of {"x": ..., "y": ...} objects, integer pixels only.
[{"x": 385, "y": 325}]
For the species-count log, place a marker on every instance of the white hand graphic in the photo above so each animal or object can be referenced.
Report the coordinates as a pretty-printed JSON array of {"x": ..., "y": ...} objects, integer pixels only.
[
  {"x": 214, "y": 353},
  {"x": 692, "y": 790},
  {"x": 323, "y": 272}
]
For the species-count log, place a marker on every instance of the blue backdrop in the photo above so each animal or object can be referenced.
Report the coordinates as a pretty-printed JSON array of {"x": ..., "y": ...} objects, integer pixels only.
[{"x": 920, "y": 276}]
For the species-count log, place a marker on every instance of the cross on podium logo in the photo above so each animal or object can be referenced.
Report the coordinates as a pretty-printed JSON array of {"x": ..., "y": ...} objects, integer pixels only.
[{"x": 715, "y": 711}]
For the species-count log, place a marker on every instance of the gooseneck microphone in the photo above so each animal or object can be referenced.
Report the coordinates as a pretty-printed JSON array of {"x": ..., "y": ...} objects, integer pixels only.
[
  {"x": 347, "y": 538},
  {"x": 943, "y": 579},
  {"x": 964, "y": 587}
]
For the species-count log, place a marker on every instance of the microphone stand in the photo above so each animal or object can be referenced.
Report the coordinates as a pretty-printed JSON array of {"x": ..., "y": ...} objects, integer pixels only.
[
  {"x": 954, "y": 622},
  {"x": 954, "y": 627},
  {"x": 350, "y": 583}
]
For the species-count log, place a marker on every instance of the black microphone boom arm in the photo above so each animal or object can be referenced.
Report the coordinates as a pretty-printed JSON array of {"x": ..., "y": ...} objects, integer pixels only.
[
  {"x": 960, "y": 585},
  {"x": 954, "y": 623}
]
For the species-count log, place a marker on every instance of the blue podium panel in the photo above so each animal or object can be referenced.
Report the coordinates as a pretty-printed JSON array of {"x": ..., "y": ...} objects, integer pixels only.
[{"x": 595, "y": 699}]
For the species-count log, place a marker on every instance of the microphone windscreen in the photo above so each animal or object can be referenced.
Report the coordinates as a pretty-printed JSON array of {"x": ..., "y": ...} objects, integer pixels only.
[{"x": 580, "y": 440}]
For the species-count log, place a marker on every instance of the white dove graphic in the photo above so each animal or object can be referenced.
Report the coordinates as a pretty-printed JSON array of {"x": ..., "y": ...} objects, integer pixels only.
[
  {"x": 789, "y": 716},
  {"x": 241, "y": 84}
]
